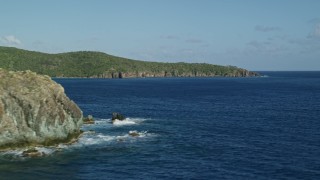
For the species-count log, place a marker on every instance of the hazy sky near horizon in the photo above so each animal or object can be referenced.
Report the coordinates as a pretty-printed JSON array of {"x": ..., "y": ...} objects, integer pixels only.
[{"x": 253, "y": 34}]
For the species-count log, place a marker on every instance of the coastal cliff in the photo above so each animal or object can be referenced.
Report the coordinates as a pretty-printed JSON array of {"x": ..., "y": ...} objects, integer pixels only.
[
  {"x": 90, "y": 64},
  {"x": 236, "y": 72},
  {"x": 34, "y": 110}
]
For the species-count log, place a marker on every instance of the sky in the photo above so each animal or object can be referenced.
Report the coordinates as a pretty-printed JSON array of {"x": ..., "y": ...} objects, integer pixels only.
[{"x": 253, "y": 34}]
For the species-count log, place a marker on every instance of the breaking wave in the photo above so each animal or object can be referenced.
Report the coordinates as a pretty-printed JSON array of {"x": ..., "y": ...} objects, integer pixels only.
[
  {"x": 44, "y": 151},
  {"x": 100, "y": 138},
  {"x": 125, "y": 122},
  {"x": 97, "y": 134}
]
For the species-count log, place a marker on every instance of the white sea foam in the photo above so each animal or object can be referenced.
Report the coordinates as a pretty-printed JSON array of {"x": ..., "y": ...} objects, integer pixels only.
[
  {"x": 106, "y": 138},
  {"x": 12, "y": 153},
  {"x": 128, "y": 121},
  {"x": 123, "y": 122},
  {"x": 92, "y": 138},
  {"x": 97, "y": 139},
  {"x": 86, "y": 140},
  {"x": 102, "y": 121},
  {"x": 139, "y": 134},
  {"x": 46, "y": 150},
  {"x": 19, "y": 152},
  {"x": 134, "y": 135}
]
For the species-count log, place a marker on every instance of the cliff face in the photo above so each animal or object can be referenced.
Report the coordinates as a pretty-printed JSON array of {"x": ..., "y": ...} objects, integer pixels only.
[
  {"x": 141, "y": 74},
  {"x": 34, "y": 110}
]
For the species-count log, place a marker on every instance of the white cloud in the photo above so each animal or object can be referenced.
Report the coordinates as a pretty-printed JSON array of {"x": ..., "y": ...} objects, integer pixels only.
[
  {"x": 194, "y": 41},
  {"x": 314, "y": 20},
  {"x": 170, "y": 37},
  {"x": 266, "y": 28},
  {"x": 316, "y": 32},
  {"x": 10, "y": 40}
]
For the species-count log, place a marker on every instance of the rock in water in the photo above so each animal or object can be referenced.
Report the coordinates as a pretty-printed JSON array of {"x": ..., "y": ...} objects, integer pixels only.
[
  {"x": 88, "y": 120},
  {"x": 134, "y": 133},
  {"x": 32, "y": 153},
  {"x": 34, "y": 110},
  {"x": 117, "y": 116}
]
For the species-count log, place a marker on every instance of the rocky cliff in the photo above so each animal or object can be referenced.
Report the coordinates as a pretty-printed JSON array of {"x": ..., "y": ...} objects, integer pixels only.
[
  {"x": 236, "y": 72},
  {"x": 34, "y": 110}
]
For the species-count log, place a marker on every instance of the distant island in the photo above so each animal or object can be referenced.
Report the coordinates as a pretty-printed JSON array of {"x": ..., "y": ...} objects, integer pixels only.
[{"x": 90, "y": 64}]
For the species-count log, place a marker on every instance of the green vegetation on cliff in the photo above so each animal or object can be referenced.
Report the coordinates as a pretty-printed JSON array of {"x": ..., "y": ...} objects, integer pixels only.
[{"x": 101, "y": 65}]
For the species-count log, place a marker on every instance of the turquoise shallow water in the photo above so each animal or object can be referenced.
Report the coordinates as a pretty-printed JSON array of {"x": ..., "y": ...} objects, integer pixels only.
[{"x": 190, "y": 128}]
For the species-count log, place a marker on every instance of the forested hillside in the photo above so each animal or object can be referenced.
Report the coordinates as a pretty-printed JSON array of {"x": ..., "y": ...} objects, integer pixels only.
[{"x": 101, "y": 65}]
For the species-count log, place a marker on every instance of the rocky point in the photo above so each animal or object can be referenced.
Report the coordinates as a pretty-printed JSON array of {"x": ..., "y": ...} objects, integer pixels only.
[{"x": 34, "y": 110}]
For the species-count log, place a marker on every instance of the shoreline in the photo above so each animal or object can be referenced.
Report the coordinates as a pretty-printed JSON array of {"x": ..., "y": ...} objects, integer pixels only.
[
  {"x": 71, "y": 139},
  {"x": 160, "y": 77}
]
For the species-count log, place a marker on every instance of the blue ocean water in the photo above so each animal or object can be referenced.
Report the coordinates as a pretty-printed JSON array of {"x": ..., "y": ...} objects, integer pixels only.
[{"x": 190, "y": 128}]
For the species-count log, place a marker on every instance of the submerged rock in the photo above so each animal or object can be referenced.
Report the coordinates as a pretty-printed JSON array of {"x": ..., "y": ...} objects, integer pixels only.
[
  {"x": 88, "y": 120},
  {"x": 117, "y": 116},
  {"x": 34, "y": 110},
  {"x": 32, "y": 153},
  {"x": 134, "y": 133}
]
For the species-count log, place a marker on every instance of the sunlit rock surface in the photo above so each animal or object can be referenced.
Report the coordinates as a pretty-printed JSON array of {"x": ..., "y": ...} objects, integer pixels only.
[{"x": 34, "y": 110}]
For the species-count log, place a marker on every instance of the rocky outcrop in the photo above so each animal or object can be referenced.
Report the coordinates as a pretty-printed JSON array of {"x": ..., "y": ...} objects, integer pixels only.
[
  {"x": 117, "y": 116},
  {"x": 34, "y": 110},
  {"x": 88, "y": 120},
  {"x": 134, "y": 133},
  {"x": 32, "y": 153}
]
